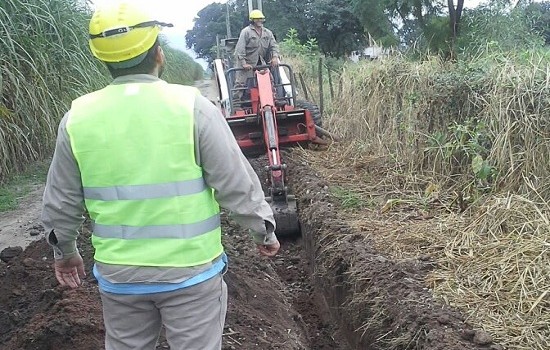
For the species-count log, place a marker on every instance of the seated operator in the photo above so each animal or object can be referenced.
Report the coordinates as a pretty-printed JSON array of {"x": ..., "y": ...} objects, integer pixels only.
[{"x": 256, "y": 46}]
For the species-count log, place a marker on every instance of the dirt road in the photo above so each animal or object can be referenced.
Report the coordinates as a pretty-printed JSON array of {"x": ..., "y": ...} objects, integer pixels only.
[{"x": 21, "y": 227}]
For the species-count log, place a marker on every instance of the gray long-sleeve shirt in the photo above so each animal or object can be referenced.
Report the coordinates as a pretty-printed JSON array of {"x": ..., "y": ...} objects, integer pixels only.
[
  {"x": 253, "y": 46},
  {"x": 226, "y": 170}
]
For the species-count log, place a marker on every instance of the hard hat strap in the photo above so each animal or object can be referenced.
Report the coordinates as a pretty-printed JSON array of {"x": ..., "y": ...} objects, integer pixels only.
[{"x": 123, "y": 30}]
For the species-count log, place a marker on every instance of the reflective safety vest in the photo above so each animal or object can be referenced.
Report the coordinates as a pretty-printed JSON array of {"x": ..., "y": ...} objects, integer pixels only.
[{"x": 134, "y": 145}]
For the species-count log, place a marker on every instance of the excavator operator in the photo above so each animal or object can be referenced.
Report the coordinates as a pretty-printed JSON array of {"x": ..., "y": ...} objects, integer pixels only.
[{"x": 256, "y": 46}]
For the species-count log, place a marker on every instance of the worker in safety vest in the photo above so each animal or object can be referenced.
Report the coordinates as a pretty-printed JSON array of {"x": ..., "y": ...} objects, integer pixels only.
[
  {"x": 256, "y": 46},
  {"x": 150, "y": 162}
]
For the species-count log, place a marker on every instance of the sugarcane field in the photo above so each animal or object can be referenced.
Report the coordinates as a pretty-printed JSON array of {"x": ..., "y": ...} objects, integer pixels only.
[{"x": 402, "y": 155}]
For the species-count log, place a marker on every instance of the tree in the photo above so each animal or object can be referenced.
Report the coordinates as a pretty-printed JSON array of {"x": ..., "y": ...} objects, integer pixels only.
[
  {"x": 372, "y": 14},
  {"x": 383, "y": 19},
  {"x": 455, "y": 13},
  {"x": 538, "y": 14},
  {"x": 331, "y": 22},
  {"x": 209, "y": 23},
  {"x": 338, "y": 30},
  {"x": 497, "y": 26},
  {"x": 285, "y": 14}
]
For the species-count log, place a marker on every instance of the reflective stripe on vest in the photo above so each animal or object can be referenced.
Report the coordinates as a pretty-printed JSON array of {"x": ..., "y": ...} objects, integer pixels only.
[
  {"x": 134, "y": 145},
  {"x": 180, "y": 188},
  {"x": 158, "y": 231}
]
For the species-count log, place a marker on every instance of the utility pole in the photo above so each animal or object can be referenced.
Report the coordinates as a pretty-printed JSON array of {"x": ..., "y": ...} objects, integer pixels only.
[
  {"x": 227, "y": 21},
  {"x": 251, "y": 7}
]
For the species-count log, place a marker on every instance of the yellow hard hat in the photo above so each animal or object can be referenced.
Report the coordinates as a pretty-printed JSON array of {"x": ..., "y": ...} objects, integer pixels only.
[
  {"x": 256, "y": 14},
  {"x": 121, "y": 34}
]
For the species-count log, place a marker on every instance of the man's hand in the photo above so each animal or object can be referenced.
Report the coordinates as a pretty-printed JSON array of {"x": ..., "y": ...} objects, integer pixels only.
[
  {"x": 269, "y": 249},
  {"x": 247, "y": 66},
  {"x": 275, "y": 62},
  {"x": 69, "y": 271}
]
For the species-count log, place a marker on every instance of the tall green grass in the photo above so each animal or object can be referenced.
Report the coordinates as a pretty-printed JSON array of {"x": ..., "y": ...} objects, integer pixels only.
[
  {"x": 180, "y": 67},
  {"x": 45, "y": 63},
  {"x": 43, "y": 66}
]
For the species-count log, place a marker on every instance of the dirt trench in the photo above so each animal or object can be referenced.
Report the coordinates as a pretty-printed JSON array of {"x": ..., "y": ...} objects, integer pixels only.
[
  {"x": 329, "y": 289},
  {"x": 272, "y": 304},
  {"x": 309, "y": 297}
]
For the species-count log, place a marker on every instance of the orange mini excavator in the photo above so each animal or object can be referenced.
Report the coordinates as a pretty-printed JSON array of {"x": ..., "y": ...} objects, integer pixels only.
[{"x": 265, "y": 117}]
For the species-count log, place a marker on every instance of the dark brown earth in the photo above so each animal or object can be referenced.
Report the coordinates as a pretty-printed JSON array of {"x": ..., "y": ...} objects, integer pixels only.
[
  {"x": 312, "y": 296},
  {"x": 271, "y": 302},
  {"x": 38, "y": 314}
]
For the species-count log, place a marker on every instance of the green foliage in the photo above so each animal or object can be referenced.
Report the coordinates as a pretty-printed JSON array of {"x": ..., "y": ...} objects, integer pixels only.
[
  {"x": 285, "y": 14},
  {"x": 494, "y": 27},
  {"x": 437, "y": 35},
  {"x": 538, "y": 17},
  {"x": 383, "y": 19},
  {"x": 373, "y": 16},
  {"x": 19, "y": 185},
  {"x": 349, "y": 199},
  {"x": 292, "y": 47},
  {"x": 338, "y": 30},
  {"x": 331, "y": 22},
  {"x": 180, "y": 67},
  {"x": 44, "y": 63},
  {"x": 209, "y": 23},
  {"x": 466, "y": 145}
]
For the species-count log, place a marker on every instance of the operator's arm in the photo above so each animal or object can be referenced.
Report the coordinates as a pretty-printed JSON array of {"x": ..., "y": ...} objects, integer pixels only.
[
  {"x": 240, "y": 48},
  {"x": 63, "y": 201},
  {"x": 228, "y": 172}
]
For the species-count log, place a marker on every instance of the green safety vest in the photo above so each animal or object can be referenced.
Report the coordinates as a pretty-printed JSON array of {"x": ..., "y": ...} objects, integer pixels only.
[{"x": 134, "y": 145}]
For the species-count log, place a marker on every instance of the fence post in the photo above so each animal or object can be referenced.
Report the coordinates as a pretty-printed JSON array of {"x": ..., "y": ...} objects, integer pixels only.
[
  {"x": 330, "y": 84},
  {"x": 321, "y": 99},
  {"x": 304, "y": 87}
]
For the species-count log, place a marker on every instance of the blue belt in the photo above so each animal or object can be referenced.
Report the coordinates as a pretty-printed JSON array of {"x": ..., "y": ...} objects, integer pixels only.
[{"x": 150, "y": 288}]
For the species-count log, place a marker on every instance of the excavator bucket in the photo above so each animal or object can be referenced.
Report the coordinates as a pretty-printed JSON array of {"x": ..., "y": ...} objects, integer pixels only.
[{"x": 286, "y": 217}]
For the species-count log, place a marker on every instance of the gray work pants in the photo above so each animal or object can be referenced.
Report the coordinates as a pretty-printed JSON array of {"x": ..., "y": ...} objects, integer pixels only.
[{"x": 193, "y": 318}]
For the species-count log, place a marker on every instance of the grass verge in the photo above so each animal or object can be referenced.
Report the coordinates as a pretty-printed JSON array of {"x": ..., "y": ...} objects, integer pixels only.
[{"x": 17, "y": 186}]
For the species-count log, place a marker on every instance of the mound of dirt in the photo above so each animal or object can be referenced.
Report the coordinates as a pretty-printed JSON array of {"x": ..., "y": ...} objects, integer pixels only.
[{"x": 38, "y": 314}]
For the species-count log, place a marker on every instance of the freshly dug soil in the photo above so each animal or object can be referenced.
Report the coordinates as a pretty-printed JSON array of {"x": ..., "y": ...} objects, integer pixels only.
[{"x": 271, "y": 304}]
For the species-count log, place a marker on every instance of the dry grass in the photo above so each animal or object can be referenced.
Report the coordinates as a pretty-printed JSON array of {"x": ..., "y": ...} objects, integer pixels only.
[
  {"x": 490, "y": 236},
  {"x": 404, "y": 179},
  {"x": 497, "y": 269},
  {"x": 493, "y": 261}
]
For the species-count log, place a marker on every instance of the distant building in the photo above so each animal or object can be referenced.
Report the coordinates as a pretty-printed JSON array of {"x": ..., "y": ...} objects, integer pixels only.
[{"x": 369, "y": 53}]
